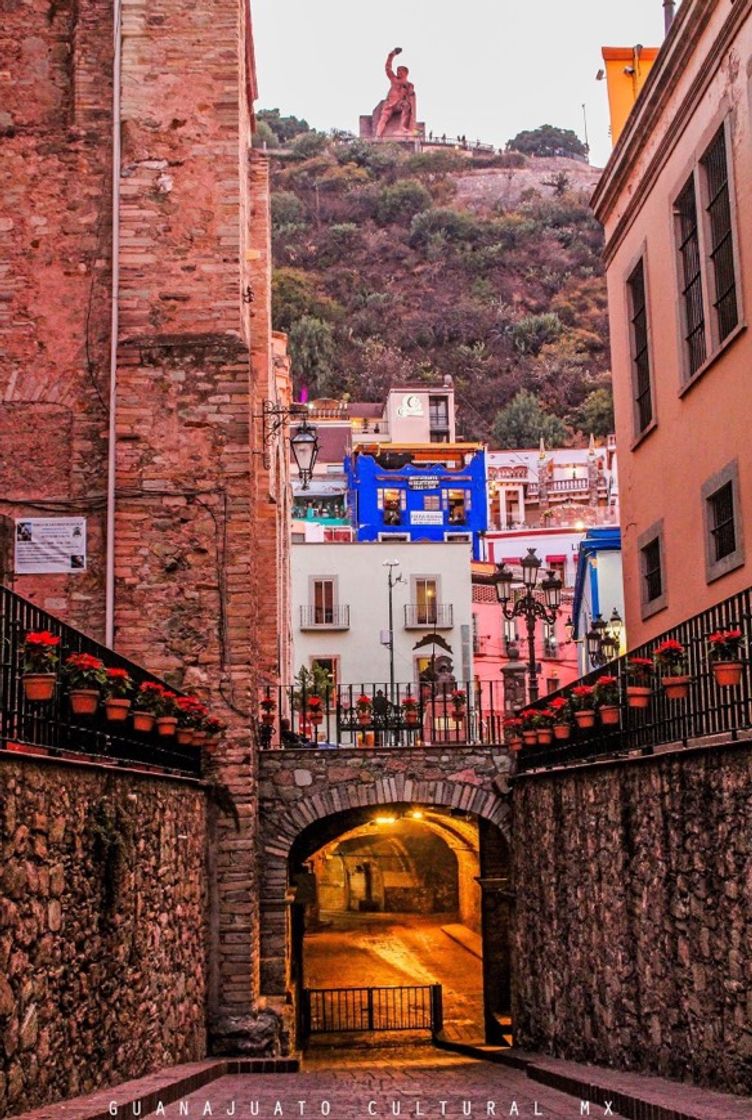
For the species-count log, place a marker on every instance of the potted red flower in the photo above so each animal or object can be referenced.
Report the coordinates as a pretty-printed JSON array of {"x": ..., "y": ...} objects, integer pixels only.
[
  {"x": 513, "y": 733},
  {"x": 639, "y": 677},
  {"x": 85, "y": 677},
  {"x": 117, "y": 688},
  {"x": 410, "y": 710},
  {"x": 544, "y": 722},
  {"x": 267, "y": 706},
  {"x": 725, "y": 651},
  {"x": 145, "y": 705},
  {"x": 214, "y": 729},
  {"x": 166, "y": 713},
  {"x": 670, "y": 658},
  {"x": 189, "y": 712},
  {"x": 562, "y": 723},
  {"x": 363, "y": 706},
  {"x": 459, "y": 702},
  {"x": 529, "y": 728},
  {"x": 583, "y": 705},
  {"x": 40, "y": 658},
  {"x": 606, "y": 695},
  {"x": 315, "y": 710}
]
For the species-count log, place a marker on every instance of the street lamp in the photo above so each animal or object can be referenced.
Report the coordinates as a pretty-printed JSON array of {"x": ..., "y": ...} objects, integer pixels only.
[
  {"x": 529, "y": 605},
  {"x": 305, "y": 448},
  {"x": 603, "y": 639},
  {"x": 304, "y": 443},
  {"x": 392, "y": 580}
]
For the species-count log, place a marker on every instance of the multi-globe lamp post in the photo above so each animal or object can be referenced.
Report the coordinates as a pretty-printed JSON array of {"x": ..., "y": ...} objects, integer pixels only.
[{"x": 531, "y": 601}]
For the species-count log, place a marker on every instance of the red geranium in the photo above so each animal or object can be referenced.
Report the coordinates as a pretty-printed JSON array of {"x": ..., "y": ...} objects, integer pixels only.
[
  {"x": 582, "y": 696},
  {"x": 606, "y": 690},
  {"x": 459, "y": 698},
  {"x": 118, "y": 682},
  {"x": 314, "y": 703},
  {"x": 669, "y": 654},
  {"x": 364, "y": 703},
  {"x": 84, "y": 671},
  {"x": 40, "y": 651},
  {"x": 726, "y": 645},
  {"x": 410, "y": 702},
  {"x": 639, "y": 670}
]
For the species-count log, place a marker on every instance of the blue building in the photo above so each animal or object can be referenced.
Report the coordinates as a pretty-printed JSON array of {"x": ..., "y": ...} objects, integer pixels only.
[
  {"x": 427, "y": 492},
  {"x": 599, "y": 586}
]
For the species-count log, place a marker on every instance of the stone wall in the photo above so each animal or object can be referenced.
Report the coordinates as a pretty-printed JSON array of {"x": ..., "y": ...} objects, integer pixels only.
[
  {"x": 103, "y": 940},
  {"x": 634, "y": 915}
]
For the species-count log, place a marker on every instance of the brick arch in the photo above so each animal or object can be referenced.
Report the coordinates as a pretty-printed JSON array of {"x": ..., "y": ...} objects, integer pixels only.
[{"x": 470, "y": 786}]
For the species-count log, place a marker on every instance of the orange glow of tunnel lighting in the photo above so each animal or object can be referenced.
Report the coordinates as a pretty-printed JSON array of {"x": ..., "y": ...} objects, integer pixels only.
[
  {"x": 416, "y": 814},
  {"x": 385, "y": 820}
]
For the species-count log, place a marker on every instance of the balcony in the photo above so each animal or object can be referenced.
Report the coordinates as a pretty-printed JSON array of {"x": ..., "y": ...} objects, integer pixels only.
[
  {"x": 429, "y": 616},
  {"x": 325, "y": 618}
]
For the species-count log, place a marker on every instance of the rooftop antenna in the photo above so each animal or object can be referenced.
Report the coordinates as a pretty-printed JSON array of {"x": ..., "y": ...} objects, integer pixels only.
[{"x": 669, "y": 11}]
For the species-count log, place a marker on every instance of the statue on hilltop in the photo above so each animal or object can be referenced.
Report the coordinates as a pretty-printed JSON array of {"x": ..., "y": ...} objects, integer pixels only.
[
  {"x": 395, "y": 118},
  {"x": 400, "y": 100}
]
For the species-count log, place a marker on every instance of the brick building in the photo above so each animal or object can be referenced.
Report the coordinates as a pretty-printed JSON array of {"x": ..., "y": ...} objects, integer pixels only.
[{"x": 140, "y": 413}]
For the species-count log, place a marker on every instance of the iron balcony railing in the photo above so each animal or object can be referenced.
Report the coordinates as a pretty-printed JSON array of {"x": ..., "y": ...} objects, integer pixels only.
[
  {"x": 325, "y": 618},
  {"x": 346, "y": 1010},
  {"x": 378, "y": 715},
  {"x": 50, "y": 727},
  {"x": 708, "y": 710},
  {"x": 434, "y": 615}
]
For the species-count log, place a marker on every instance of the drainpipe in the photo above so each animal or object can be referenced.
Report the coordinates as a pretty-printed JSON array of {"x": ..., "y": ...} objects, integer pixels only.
[
  {"x": 669, "y": 11},
  {"x": 109, "y": 593}
]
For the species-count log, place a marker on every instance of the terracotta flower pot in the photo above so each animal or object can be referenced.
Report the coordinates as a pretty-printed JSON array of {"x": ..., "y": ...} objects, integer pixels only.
[
  {"x": 562, "y": 731},
  {"x": 184, "y": 736},
  {"x": 116, "y": 708},
  {"x": 84, "y": 701},
  {"x": 585, "y": 717},
  {"x": 267, "y": 718},
  {"x": 166, "y": 725},
  {"x": 142, "y": 721},
  {"x": 530, "y": 738},
  {"x": 545, "y": 736},
  {"x": 609, "y": 714},
  {"x": 364, "y": 718},
  {"x": 199, "y": 738},
  {"x": 39, "y": 686},
  {"x": 727, "y": 673},
  {"x": 676, "y": 688},
  {"x": 638, "y": 695},
  {"x": 514, "y": 744},
  {"x": 458, "y": 715},
  {"x": 411, "y": 717},
  {"x": 316, "y": 718}
]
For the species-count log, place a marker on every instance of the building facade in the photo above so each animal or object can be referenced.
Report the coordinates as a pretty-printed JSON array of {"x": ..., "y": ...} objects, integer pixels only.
[{"x": 676, "y": 203}]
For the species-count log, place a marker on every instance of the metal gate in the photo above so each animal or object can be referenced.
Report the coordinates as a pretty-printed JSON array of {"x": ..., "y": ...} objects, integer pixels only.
[{"x": 340, "y": 1010}]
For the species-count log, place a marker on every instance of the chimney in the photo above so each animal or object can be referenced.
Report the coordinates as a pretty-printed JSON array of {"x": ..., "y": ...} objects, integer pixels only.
[{"x": 669, "y": 11}]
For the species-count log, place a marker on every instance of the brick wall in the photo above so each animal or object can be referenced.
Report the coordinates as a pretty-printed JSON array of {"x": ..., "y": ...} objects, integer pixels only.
[
  {"x": 632, "y": 915},
  {"x": 102, "y": 928}
]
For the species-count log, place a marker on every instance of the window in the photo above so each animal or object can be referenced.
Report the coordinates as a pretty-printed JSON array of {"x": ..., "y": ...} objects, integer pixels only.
[
  {"x": 426, "y": 597},
  {"x": 438, "y": 419},
  {"x": 721, "y": 245},
  {"x": 724, "y": 546},
  {"x": 327, "y": 665},
  {"x": 431, "y": 501},
  {"x": 550, "y": 644},
  {"x": 458, "y": 503},
  {"x": 642, "y": 390},
  {"x": 323, "y": 601},
  {"x": 509, "y": 626},
  {"x": 653, "y": 588},
  {"x": 390, "y": 502},
  {"x": 691, "y": 277}
]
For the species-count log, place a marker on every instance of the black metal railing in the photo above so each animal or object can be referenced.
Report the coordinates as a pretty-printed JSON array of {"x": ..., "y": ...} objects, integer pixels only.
[
  {"x": 336, "y": 617},
  {"x": 709, "y": 708},
  {"x": 429, "y": 614},
  {"x": 50, "y": 727},
  {"x": 347, "y": 1010},
  {"x": 379, "y": 715}
]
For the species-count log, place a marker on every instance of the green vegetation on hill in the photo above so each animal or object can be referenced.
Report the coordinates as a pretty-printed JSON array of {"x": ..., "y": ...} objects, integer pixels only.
[{"x": 382, "y": 276}]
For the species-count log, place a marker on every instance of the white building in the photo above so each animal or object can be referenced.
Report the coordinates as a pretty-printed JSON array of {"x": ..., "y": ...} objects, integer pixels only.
[{"x": 340, "y": 595}]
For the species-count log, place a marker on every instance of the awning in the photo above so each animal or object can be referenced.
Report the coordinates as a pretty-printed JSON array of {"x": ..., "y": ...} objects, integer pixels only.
[
  {"x": 557, "y": 559},
  {"x": 332, "y": 488}
]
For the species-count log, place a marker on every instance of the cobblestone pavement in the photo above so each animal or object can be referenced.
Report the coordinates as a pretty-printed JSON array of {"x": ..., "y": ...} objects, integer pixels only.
[
  {"x": 385, "y": 949},
  {"x": 382, "y": 1082}
]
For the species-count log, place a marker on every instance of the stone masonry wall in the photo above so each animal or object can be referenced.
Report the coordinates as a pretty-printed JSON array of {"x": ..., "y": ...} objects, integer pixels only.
[
  {"x": 634, "y": 915},
  {"x": 102, "y": 928}
]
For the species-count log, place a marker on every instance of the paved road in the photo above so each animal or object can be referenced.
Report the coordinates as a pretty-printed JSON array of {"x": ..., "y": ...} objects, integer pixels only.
[
  {"x": 370, "y": 950},
  {"x": 383, "y": 1084}
]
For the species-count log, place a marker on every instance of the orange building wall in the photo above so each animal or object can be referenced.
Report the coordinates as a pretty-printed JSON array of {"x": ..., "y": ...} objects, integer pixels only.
[{"x": 700, "y": 431}]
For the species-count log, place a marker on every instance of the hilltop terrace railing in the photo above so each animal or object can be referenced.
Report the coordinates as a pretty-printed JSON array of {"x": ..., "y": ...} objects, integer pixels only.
[
  {"x": 50, "y": 727},
  {"x": 377, "y": 715},
  {"x": 708, "y": 710}
]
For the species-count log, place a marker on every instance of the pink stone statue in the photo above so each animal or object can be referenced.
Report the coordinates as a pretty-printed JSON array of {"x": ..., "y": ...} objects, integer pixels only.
[{"x": 400, "y": 101}]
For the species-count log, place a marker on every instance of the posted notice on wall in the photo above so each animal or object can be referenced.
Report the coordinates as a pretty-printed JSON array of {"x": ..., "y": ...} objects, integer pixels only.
[{"x": 50, "y": 545}]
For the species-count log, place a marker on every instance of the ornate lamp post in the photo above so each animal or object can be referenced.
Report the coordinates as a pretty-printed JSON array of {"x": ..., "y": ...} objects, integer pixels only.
[
  {"x": 305, "y": 448},
  {"x": 531, "y": 605},
  {"x": 603, "y": 639},
  {"x": 304, "y": 443}
]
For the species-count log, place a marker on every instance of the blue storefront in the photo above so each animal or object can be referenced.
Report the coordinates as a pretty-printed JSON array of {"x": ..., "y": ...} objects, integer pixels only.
[{"x": 393, "y": 495}]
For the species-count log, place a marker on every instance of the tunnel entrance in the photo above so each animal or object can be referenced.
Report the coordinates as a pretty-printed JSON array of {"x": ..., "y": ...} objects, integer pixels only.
[{"x": 403, "y": 896}]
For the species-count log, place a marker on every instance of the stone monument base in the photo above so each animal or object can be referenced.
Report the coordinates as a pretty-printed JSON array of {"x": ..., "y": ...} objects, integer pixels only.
[{"x": 394, "y": 132}]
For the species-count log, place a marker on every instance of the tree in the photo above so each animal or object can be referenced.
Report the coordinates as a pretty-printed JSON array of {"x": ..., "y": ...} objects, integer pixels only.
[
  {"x": 263, "y": 137},
  {"x": 596, "y": 415},
  {"x": 549, "y": 141},
  {"x": 401, "y": 202},
  {"x": 523, "y": 422},
  {"x": 312, "y": 352},
  {"x": 285, "y": 128}
]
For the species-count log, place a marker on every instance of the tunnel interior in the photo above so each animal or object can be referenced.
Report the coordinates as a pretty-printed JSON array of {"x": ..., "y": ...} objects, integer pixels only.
[{"x": 401, "y": 895}]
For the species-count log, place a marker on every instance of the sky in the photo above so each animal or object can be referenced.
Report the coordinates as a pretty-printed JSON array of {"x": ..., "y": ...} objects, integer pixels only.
[{"x": 485, "y": 69}]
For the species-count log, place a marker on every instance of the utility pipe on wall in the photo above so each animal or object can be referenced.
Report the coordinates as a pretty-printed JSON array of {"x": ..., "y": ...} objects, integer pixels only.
[
  {"x": 669, "y": 11},
  {"x": 109, "y": 593}
]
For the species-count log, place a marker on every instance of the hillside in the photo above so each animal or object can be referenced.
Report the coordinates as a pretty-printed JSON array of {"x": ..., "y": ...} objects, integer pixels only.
[{"x": 392, "y": 266}]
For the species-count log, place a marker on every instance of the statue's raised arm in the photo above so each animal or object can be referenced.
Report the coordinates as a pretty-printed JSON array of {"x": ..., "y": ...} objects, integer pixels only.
[{"x": 389, "y": 59}]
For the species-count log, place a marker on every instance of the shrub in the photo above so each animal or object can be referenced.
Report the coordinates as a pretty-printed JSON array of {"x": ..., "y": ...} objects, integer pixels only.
[{"x": 401, "y": 202}]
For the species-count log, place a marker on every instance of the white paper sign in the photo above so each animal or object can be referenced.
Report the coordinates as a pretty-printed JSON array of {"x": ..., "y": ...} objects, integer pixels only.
[
  {"x": 49, "y": 545},
  {"x": 426, "y": 517}
]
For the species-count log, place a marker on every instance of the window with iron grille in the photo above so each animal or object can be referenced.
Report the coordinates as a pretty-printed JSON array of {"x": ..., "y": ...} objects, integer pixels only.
[
  {"x": 643, "y": 395},
  {"x": 651, "y": 570},
  {"x": 721, "y": 247},
  {"x": 691, "y": 277},
  {"x": 722, "y": 528}
]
